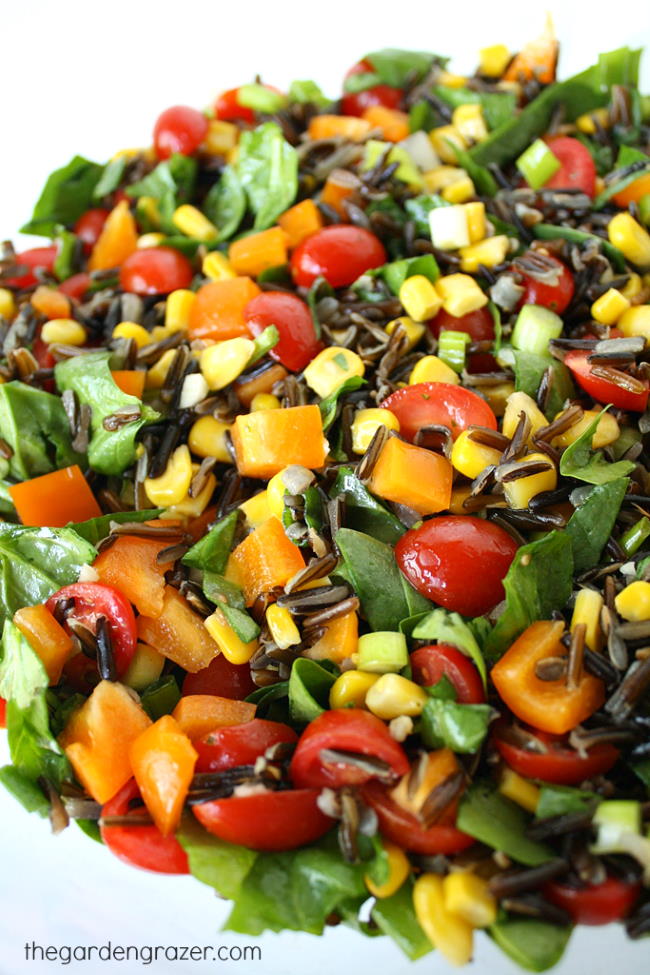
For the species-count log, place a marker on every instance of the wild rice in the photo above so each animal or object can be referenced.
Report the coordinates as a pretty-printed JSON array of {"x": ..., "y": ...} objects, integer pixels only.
[{"x": 105, "y": 652}]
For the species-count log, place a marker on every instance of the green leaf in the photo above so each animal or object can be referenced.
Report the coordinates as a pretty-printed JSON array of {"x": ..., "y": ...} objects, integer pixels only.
[
  {"x": 213, "y": 861},
  {"x": 272, "y": 702},
  {"x": 395, "y": 67},
  {"x": 67, "y": 193},
  {"x": 35, "y": 426},
  {"x": 260, "y": 98},
  {"x": 24, "y": 790},
  {"x": 242, "y": 622},
  {"x": 444, "y": 627},
  {"x": 225, "y": 204},
  {"x": 591, "y": 524},
  {"x": 170, "y": 184},
  {"x": 461, "y": 727},
  {"x": 496, "y": 821},
  {"x": 308, "y": 93},
  {"x": 418, "y": 209},
  {"x": 532, "y": 944},
  {"x": 220, "y": 590},
  {"x": 309, "y": 687},
  {"x": 329, "y": 403},
  {"x": 395, "y": 917},
  {"x": 161, "y": 697},
  {"x": 482, "y": 178},
  {"x": 529, "y": 370},
  {"x": 498, "y": 107},
  {"x": 90, "y": 827},
  {"x": 66, "y": 243},
  {"x": 95, "y": 529},
  {"x": 396, "y": 273},
  {"x": 268, "y": 170},
  {"x": 642, "y": 770},
  {"x": 211, "y": 553},
  {"x": 319, "y": 289},
  {"x": 558, "y": 800},
  {"x": 110, "y": 179},
  {"x": 264, "y": 342},
  {"x": 547, "y": 231},
  {"x": 22, "y": 674},
  {"x": 585, "y": 464},
  {"x": 363, "y": 512}
]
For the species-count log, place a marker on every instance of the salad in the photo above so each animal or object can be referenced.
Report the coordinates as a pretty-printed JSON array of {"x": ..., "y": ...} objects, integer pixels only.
[{"x": 325, "y": 493}]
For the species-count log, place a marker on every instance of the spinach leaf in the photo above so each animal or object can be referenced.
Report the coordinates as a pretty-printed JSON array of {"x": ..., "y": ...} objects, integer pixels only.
[
  {"x": 95, "y": 529},
  {"x": 496, "y": 821},
  {"x": 211, "y": 553},
  {"x": 419, "y": 207},
  {"x": 547, "y": 231},
  {"x": 67, "y": 193},
  {"x": 585, "y": 464},
  {"x": 170, "y": 184},
  {"x": 461, "y": 727},
  {"x": 220, "y": 590},
  {"x": 24, "y": 790},
  {"x": 307, "y": 93},
  {"x": 529, "y": 370},
  {"x": 444, "y": 627},
  {"x": 395, "y": 917},
  {"x": 268, "y": 170},
  {"x": 89, "y": 376},
  {"x": 111, "y": 178},
  {"x": 161, "y": 697},
  {"x": 481, "y": 176},
  {"x": 392, "y": 66},
  {"x": 264, "y": 342},
  {"x": 213, "y": 861},
  {"x": 319, "y": 289},
  {"x": 309, "y": 687},
  {"x": 225, "y": 204},
  {"x": 35, "y": 426},
  {"x": 396, "y": 273},
  {"x": 272, "y": 702},
  {"x": 241, "y": 622},
  {"x": 22, "y": 674},
  {"x": 329, "y": 403},
  {"x": 532, "y": 944},
  {"x": 498, "y": 107},
  {"x": 66, "y": 243},
  {"x": 364, "y": 512},
  {"x": 557, "y": 800},
  {"x": 591, "y": 524}
]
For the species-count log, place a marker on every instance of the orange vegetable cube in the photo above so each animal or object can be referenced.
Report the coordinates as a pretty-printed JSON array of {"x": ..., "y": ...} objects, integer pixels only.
[
  {"x": 413, "y": 476},
  {"x": 46, "y": 637},
  {"x": 440, "y": 765},
  {"x": 631, "y": 194},
  {"x": 163, "y": 761},
  {"x": 218, "y": 309},
  {"x": 340, "y": 185},
  {"x": 536, "y": 60},
  {"x": 300, "y": 221},
  {"x": 53, "y": 500},
  {"x": 117, "y": 241},
  {"x": 130, "y": 381},
  {"x": 199, "y": 714},
  {"x": 266, "y": 559},
  {"x": 269, "y": 440},
  {"x": 343, "y": 126},
  {"x": 130, "y": 565},
  {"x": 338, "y": 642},
  {"x": 258, "y": 252},
  {"x": 394, "y": 125},
  {"x": 248, "y": 389},
  {"x": 50, "y": 302},
  {"x": 178, "y": 633}
]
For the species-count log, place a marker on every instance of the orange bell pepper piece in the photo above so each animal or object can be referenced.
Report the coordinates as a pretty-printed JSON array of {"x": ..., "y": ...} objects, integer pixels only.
[
  {"x": 413, "y": 476},
  {"x": 258, "y": 252},
  {"x": 50, "y": 302},
  {"x": 98, "y": 736},
  {"x": 130, "y": 381},
  {"x": 343, "y": 126},
  {"x": 46, "y": 637},
  {"x": 218, "y": 309},
  {"x": 440, "y": 765},
  {"x": 631, "y": 194},
  {"x": 339, "y": 641},
  {"x": 178, "y": 633},
  {"x": 300, "y": 221},
  {"x": 269, "y": 440},
  {"x": 53, "y": 500},
  {"x": 547, "y": 705},
  {"x": 163, "y": 760},
  {"x": 394, "y": 125},
  {"x": 117, "y": 241},
  {"x": 537, "y": 59},
  {"x": 266, "y": 559},
  {"x": 199, "y": 714},
  {"x": 340, "y": 185},
  {"x": 130, "y": 565},
  {"x": 264, "y": 382}
]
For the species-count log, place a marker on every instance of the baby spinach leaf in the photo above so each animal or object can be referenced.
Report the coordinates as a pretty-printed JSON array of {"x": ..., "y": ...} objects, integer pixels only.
[
  {"x": 242, "y": 622},
  {"x": 309, "y": 687},
  {"x": 220, "y": 590},
  {"x": 498, "y": 107},
  {"x": 529, "y": 370},
  {"x": 481, "y": 176},
  {"x": 213, "y": 861},
  {"x": 211, "y": 553},
  {"x": 22, "y": 674},
  {"x": 225, "y": 204},
  {"x": 443, "y": 627},
  {"x": 24, "y": 790},
  {"x": 307, "y": 93},
  {"x": 496, "y": 821},
  {"x": 419, "y": 207},
  {"x": 110, "y": 178},
  {"x": 461, "y": 727},
  {"x": 532, "y": 944},
  {"x": 363, "y": 511},
  {"x": 35, "y": 426},
  {"x": 66, "y": 243},
  {"x": 591, "y": 524},
  {"x": 395, "y": 916},
  {"x": 392, "y": 66},
  {"x": 396, "y": 273},
  {"x": 170, "y": 184},
  {"x": 272, "y": 702},
  {"x": 264, "y": 342},
  {"x": 67, "y": 193},
  {"x": 329, "y": 403},
  {"x": 268, "y": 170},
  {"x": 161, "y": 697},
  {"x": 95, "y": 529},
  {"x": 557, "y": 800},
  {"x": 585, "y": 464}
]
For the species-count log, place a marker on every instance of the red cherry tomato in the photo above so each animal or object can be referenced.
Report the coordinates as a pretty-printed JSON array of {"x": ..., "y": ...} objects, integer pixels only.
[
  {"x": 240, "y": 744},
  {"x": 458, "y": 562},
  {"x": 3, "y": 713},
  {"x": 42, "y": 354},
  {"x": 438, "y": 403},
  {"x": 348, "y": 730},
  {"x": 602, "y": 389},
  {"x": 429, "y": 664},
  {"x": 228, "y": 109},
  {"x": 89, "y": 226},
  {"x": 594, "y": 903},
  {"x": 560, "y": 764},
  {"x": 140, "y": 846},
  {"x": 76, "y": 286},
  {"x": 356, "y": 104},
  {"x": 557, "y": 296},
  {"x": 179, "y": 129},
  {"x": 155, "y": 271},
  {"x": 93, "y": 599},
  {"x": 478, "y": 324},
  {"x": 268, "y": 821},
  {"x": 221, "y": 678},
  {"x": 290, "y": 314},
  {"x": 577, "y": 168},
  {"x": 402, "y": 828},
  {"x": 340, "y": 254},
  {"x": 41, "y": 258}
]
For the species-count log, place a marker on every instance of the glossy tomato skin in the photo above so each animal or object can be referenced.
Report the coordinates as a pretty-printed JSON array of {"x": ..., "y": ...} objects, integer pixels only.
[
  {"x": 93, "y": 599},
  {"x": 603, "y": 390},
  {"x": 478, "y": 324},
  {"x": 560, "y": 764},
  {"x": 291, "y": 315},
  {"x": 458, "y": 562},
  {"x": 3, "y": 713},
  {"x": 345, "y": 729},
  {"x": 271, "y": 821},
  {"x": 41, "y": 258},
  {"x": 76, "y": 286},
  {"x": 89, "y": 226},
  {"x": 402, "y": 828},
  {"x": 155, "y": 271},
  {"x": 438, "y": 403},
  {"x": 556, "y": 297},
  {"x": 221, "y": 678},
  {"x": 141, "y": 846},
  {"x": 356, "y": 104},
  {"x": 240, "y": 744},
  {"x": 340, "y": 254},
  {"x": 179, "y": 129},
  {"x": 577, "y": 168},
  {"x": 430, "y": 664},
  {"x": 594, "y": 904}
]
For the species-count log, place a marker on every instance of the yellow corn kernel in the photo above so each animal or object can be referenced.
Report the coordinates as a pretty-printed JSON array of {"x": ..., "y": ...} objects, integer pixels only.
[
  {"x": 232, "y": 156},
  {"x": 350, "y": 689},
  {"x": 208, "y": 439},
  {"x": 470, "y": 458},
  {"x": 522, "y": 403},
  {"x": 458, "y": 497},
  {"x": 393, "y": 695},
  {"x": 436, "y": 180},
  {"x": 460, "y": 191},
  {"x": 520, "y": 790},
  {"x": 586, "y": 610},
  {"x": 443, "y": 139},
  {"x": 469, "y": 121},
  {"x": 468, "y": 896},
  {"x": 264, "y": 401},
  {"x": 631, "y": 238},
  {"x": 256, "y": 509},
  {"x": 419, "y": 298},
  {"x": 365, "y": 425},
  {"x": 450, "y": 80},
  {"x": 431, "y": 369},
  {"x": 154, "y": 239},
  {"x": 63, "y": 331},
  {"x": 476, "y": 223},
  {"x": 281, "y": 626},
  {"x": 193, "y": 507},
  {"x": 217, "y": 267},
  {"x": 399, "y": 867},
  {"x": 413, "y": 330},
  {"x": 330, "y": 369},
  {"x": 131, "y": 330},
  {"x": 493, "y": 60},
  {"x": 636, "y": 321},
  {"x": 633, "y": 286},
  {"x": 489, "y": 252},
  {"x": 460, "y": 294},
  {"x": 276, "y": 489},
  {"x": 633, "y": 602},
  {"x": 191, "y": 222},
  {"x": 587, "y": 123},
  {"x": 222, "y": 362},
  {"x": 518, "y": 493},
  {"x": 147, "y": 208},
  {"x": 221, "y": 137},
  {"x": 497, "y": 396},
  {"x": 125, "y": 154},
  {"x": 449, "y": 933},
  {"x": 234, "y": 650},
  {"x": 7, "y": 304},
  {"x": 156, "y": 375},
  {"x": 173, "y": 484},
  {"x": 177, "y": 309},
  {"x": 609, "y": 307},
  {"x": 607, "y": 431}
]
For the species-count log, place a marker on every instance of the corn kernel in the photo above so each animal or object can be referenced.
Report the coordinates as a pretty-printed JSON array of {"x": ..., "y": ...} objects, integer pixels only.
[
  {"x": 633, "y": 286},
  {"x": 419, "y": 298},
  {"x": 125, "y": 154},
  {"x": 153, "y": 239},
  {"x": 449, "y": 933},
  {"x": 156, "y": 376},
  {"x": 177, "y": 309},
  {"x": 234, "y": 650},
  {"x": 518, "y": 403},
  {"x": 631, "y": 238},
  {"x": 412, "y": 330},
  {"x": 444, "y": 139},
  {"x": 131, "y": 330},
  {"x": 497, "y": 396},
  {"x": 276, "y": 489},
  {"x": 636, "y": 321},
  {"x": 450, "y": 80},
  {"x": 223, "y": 362},
  {"x": 460, "y": 294},
  {"x": 281, "y": 626},
  {"x": 431, "y": 369},
  {"x": 399, "y": 867},
  {"x": 63, "y": 331},
  {"x": 264, "y": 401},
  {"x": 469, "y": 121},
  {"x": 586, "y": 610},
  {"x": 587, "y": 123},
  {"x": 217, "y": 267},
  {"x": 470, "y": 458},
  {"x": 609, "y": 307},
  {"x": 208, "y": 439},
  {"x": 520, "y": 790},
  {"x": 493, "y": 60},
  {"x": 365, "y": 425},
  {"x": 350, "y": 689},
  {"x": 440, "y": 177},
  {"x": 330, "y": 369},
  {"x": 220, "y": 138},
  {"x": 7, "y": 304},
  {"x": 460, "y": 191},
  {"x": 256, "y": 509},
  {"x": 393, "y": 695},
  {"x": 173, "y": 484},
  {"x": 633, "y": 602},
  {"x": 518, "y": 493},
  {"x": 607, "y": 431},
  {"x": 468, "y": 896},
  {"x": 192, "y": 507},
  {"x": 489, "y": 252},
  {"x": 476, "y": 223},
  {"x": 191, "y": 222}
]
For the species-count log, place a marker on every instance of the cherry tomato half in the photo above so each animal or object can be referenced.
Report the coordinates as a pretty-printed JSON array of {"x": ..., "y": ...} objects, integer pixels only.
[
  {"x": 450, "y": 406},
  {"x": 577, "y": 168},
  {"x": 340, "y": 254},
  {"x": 76, "y": 286},
  {"x": 179, "y": 129},
  {"x": 89, "y": 226},
  {"x": 41, "y": 258},
  {"x": 402, "y": 827},
  {"x": 594, "y": 903},
  {"x": 556, "y": 295},
  {"x": 221, "y": 678},
  {"x": 267, "y": 821},
  {"x": 291, "y": 315},
  {"x": 347, "y": 730},
  {"x": 3, "y": 713},
  {"x": 560, "y": 764},
  {"x": 228, "y": 109},
  {"x": 430, "y": 664},
  {"x": 155, "y": 271},
  {"x": 93, "y": 599},
  {"x": 478, "y": 324},
  {"x": 356, "y": 104},
  {"x": 240, "y": 744},
  {"x": 457, "y": 561},
  {"x": 140, "y": 846},
  {"x": 604, "y": 390}
]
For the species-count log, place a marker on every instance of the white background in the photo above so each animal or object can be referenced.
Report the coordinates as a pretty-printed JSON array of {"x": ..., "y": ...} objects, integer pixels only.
[{"x": 89, "y": 78}]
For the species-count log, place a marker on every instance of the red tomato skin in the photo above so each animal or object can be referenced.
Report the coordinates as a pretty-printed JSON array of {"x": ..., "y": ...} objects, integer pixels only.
[
  {"x": 601, "y": 389},
  {"x": 3, "y": 713},
  {"x": 440, "y": 403},
  {"x": 221, "y": 678},
  {"x": 430, "y": 664},
  {"x": 577, "y": 170},
  {"x": 345, "y": 729},
  {"x": 290, "y": 314},
  {"x": 179, "y": 129},
  {"x": 228, "y": 109},
  {"x": 89, "y": 226},
  {"x": 241, "y": 744},
  {"x": 478, "y": 324},
  {"x": 594, "y": 904},
  {"x": 36, "y": 257},
  {"x": 155, "y": 271},
  {"x": 559, "y": 765},
  {"x": 76, "y": 286},
  {"x": 93, "y": 599},
  {"x": 272, "y": 821},
  {"x": 340, "y": 254},
  {"x": 356, "y": 104},
  {"x": 403, "y": 829},
  {"x": 458, "y": 562},
  {"x": 141, "y": 846},
  {"x": 555, "y": 297}
]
